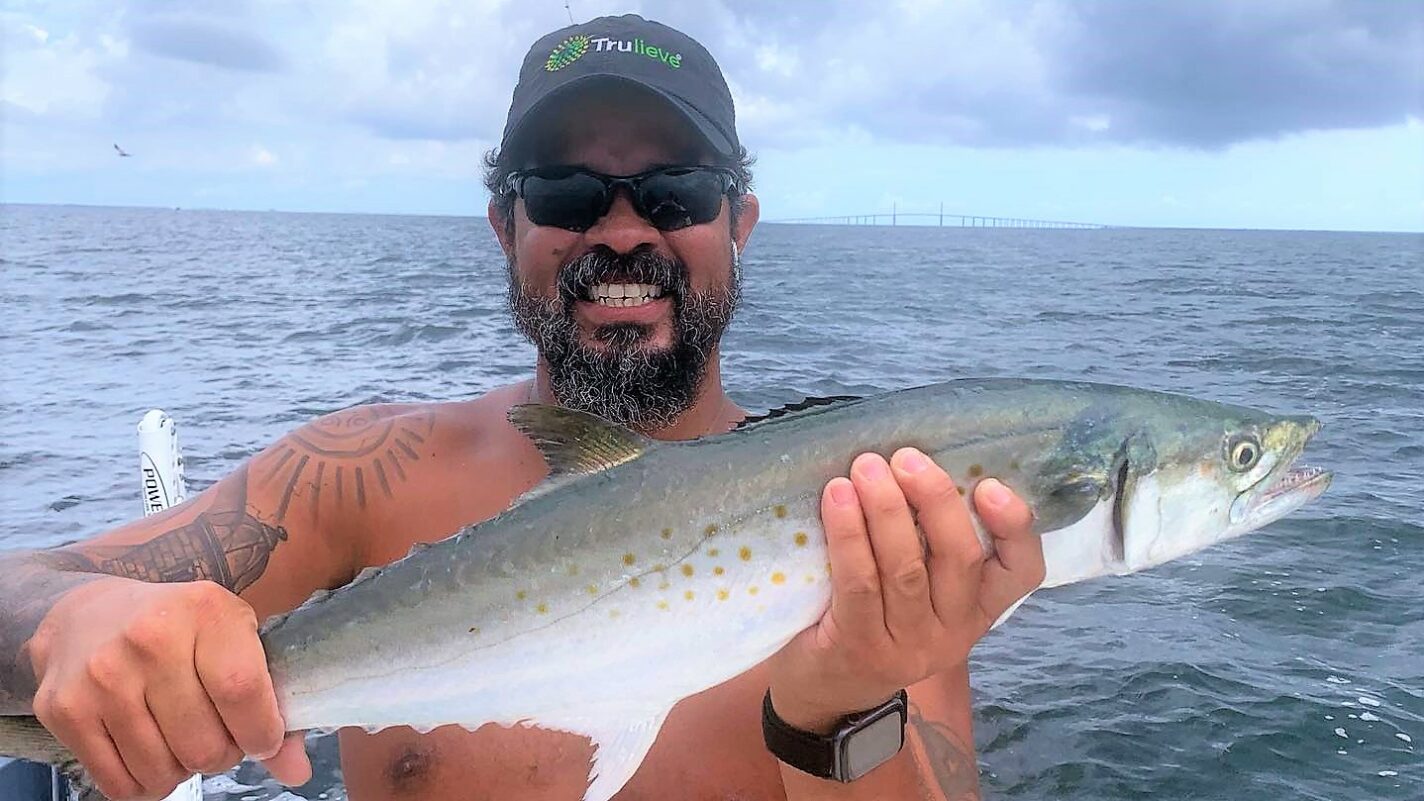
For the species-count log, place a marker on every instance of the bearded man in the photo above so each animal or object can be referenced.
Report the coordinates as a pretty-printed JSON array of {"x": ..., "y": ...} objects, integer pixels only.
[{"x": 621, "y": 199}]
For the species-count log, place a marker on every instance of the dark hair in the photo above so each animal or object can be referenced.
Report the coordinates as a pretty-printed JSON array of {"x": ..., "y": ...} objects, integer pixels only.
[{"x": 498, "y": 169}]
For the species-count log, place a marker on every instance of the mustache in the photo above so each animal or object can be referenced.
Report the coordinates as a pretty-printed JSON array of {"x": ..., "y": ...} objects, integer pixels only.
[{"x": 602, "y": 265}]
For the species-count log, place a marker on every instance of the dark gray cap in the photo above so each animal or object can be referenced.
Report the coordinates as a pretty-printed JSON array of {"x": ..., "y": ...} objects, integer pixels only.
[{"x": 629, "y": 48}]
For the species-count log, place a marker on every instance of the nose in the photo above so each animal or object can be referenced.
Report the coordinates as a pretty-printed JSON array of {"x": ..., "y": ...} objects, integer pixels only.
[{"x": 622, "y": 229}]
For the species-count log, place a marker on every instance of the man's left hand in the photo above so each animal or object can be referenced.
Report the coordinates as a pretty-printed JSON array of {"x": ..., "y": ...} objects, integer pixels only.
[{"x": 901, "y": 612}]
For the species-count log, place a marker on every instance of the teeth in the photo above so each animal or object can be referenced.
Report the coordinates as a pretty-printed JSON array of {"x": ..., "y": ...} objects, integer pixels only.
[{"x": 624, "y": 295}]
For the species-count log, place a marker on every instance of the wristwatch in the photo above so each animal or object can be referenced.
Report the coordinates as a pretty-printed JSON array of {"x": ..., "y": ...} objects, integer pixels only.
[{"x": 859, "y": 743}]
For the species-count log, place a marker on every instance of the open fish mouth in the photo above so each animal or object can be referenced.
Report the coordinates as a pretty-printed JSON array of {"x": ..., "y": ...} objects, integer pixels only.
[
  {"x": 1297, "y": 487},
  {"x": 1308, "y": 481}
]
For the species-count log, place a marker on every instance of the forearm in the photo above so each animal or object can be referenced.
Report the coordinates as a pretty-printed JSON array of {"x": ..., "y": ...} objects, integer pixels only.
[
  {"x": 30, "y": 584},
  {"x": 936, "y": 764}
]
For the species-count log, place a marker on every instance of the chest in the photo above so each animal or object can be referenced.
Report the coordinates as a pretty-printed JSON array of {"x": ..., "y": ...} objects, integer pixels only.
[{"x": 710, "y": 749}]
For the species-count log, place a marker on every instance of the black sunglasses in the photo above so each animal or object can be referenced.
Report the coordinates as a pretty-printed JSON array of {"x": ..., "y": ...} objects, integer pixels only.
[{"x": 574, "y": 198}]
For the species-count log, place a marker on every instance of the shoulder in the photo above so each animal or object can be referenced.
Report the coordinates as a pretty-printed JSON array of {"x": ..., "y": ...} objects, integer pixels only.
[
  {"x": 394, "y": 436},
  {"x": 389, "y": 475}
]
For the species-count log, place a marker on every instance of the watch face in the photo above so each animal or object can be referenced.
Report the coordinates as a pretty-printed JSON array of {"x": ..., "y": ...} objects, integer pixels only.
[{"x": 867, "y": 748}]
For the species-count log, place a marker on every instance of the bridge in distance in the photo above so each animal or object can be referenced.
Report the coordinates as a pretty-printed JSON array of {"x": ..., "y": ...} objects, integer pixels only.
[{"x": 941, "y": 219}]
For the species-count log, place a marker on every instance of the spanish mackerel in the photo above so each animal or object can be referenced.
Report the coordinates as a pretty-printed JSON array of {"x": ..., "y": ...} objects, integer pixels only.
[{"x": 643, "y": 572}]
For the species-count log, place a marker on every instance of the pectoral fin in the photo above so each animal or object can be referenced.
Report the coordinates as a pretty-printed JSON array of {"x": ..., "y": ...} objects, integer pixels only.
[
  {"x": 574, "y": 444},
  {"x": 621, "y": 738}
]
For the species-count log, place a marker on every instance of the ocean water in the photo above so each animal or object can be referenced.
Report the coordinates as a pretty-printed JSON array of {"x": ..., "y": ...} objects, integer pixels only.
[{"x": 1288, "y": 664}]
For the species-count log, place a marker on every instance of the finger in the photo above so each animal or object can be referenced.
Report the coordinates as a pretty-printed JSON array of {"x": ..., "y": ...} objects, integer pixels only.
[
  {"x": 232, "y": 667},
  {"x": 899, "y": 556},
  {"x": 146, "y": 754},
  {"x": 92, "y": 746},
  {"x": 954, "y": 549},
  {"x": 855, "y": 586},
  {"x": 1017, "y": 567},
  {"x": 191, "y": 724},
  {"x": 291, "y": 766}
]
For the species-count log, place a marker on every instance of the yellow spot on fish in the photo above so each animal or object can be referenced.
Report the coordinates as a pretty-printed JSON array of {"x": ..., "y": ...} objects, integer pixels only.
[
  {"x": 687, "y": 570},
  {"x": 614, "y": 613},
  {"x": 542, "y": 609},
  {"x": 723, "y": 595},
  {"x": 976, "y": 471},
  {"x": 752, "y": 590},
  {"x": 717, "y": 571},
  {"x": 960, "y": 490},
  {"x": 659, "y": 567},
  {"x": 711, "y": 529},
  {"x": 664, "y": 585},
  {"x": 667, "y": 534},
  {"x": 521, "y": 595},
  {"x": 633, "y": 582},
  {"x": 779, "y": 510},
  {"x": 629, "y": 559},
  {"x": 688, "y": 595},
  {"x": 713, "y": 552},
  {"x": 573, "y": 570},
  {"x": 663, "y": 605},
  {"x": 801, "y": 539},
  {"x": 592, "y": 589},
  {"x": 810, "y": 579},
  {"x": 778, "y": 578},
  {"x": 745, "y": 553},
  {"x": 828, "y": 568}
]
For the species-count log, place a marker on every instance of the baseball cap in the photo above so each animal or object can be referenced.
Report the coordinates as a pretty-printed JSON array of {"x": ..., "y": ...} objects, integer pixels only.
[{"x": 626, "y": 48}]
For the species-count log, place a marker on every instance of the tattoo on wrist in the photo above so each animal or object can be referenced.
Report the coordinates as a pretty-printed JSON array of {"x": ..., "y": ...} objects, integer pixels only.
[
  {"x": 950, "y": 759},
  {"x": 29, "y": 589}
]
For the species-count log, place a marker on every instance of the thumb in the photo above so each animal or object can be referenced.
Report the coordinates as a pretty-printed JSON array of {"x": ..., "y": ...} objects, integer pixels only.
[{"x": 290, "y": 766}]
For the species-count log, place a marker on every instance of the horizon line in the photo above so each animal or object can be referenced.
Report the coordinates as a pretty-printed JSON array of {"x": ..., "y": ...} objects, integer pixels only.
[{"x": 1103, "y": 226}]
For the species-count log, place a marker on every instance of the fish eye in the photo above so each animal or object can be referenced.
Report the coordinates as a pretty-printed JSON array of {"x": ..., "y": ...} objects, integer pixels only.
[{"x": 1242, "y": 452}]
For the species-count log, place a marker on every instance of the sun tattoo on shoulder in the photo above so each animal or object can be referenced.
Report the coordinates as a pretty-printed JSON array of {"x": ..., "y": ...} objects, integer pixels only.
[{"x": 351, "y": 455}]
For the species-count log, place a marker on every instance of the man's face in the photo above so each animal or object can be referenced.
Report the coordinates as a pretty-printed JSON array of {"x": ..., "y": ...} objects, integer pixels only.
[{"x": 638, "y": 361}]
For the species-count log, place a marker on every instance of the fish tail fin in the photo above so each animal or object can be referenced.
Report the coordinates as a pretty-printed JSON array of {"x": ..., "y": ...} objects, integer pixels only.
[{"x": 23, "y": 737}]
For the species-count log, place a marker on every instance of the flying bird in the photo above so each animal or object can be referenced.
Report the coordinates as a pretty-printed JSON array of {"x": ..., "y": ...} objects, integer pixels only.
[{"x": 121, "y": 152}]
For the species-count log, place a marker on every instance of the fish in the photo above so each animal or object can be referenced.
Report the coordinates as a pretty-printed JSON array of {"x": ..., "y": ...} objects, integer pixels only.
[{"x": 642, "y": 572}]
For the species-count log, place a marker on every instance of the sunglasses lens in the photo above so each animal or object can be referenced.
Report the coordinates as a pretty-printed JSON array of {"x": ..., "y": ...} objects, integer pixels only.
[
  {"x": 573, "y": 202},
  {"x": 676, "y": 199}
]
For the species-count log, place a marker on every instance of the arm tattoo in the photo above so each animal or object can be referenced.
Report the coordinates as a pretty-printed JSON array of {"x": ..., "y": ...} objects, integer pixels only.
[
  {"x": 364, "y": 450},
  {"x": 28, "y": 588},
  {"x": 224, "y": 544},
  {"x": 951, "y": 761}
]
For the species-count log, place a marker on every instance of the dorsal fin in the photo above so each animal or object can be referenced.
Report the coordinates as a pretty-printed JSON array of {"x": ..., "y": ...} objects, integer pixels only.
[
  {"x": 576, "y": 443},
  {"x": 799, "y": 406}
]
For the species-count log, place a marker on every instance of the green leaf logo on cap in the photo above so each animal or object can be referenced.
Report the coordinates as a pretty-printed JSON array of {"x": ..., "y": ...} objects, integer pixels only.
[{"x": 566, "y": 53}]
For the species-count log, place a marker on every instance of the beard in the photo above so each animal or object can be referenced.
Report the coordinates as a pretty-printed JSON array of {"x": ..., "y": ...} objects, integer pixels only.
[{"x": 625, "y": 378}]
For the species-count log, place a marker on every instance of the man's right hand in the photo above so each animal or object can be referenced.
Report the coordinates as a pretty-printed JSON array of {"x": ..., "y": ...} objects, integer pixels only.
[{"x": 150, "y": 683}]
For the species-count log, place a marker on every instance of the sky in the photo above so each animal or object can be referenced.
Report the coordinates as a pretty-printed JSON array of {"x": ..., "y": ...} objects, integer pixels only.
[{"x": 1305, "y": 114}]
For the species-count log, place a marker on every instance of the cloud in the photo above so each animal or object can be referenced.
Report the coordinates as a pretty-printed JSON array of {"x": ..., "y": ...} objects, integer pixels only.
[
  {"x": 1205, "y": 73},
  {"x": 262, "y": 157},
  {"x": 204, "y": 41},
  {"x": 1214, "y": 73}
]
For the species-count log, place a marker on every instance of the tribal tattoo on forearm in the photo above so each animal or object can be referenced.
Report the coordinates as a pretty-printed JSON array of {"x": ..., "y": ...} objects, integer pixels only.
[{"x": 951, "y": 761}]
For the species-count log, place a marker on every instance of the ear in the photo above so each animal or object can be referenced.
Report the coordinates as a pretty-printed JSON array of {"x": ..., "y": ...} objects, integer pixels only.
[
  {"x": 746, "y": 221},
  {"x": 503, "y": 227}
]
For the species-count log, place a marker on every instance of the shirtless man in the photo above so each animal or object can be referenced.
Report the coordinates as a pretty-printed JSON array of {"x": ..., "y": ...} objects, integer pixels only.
[{"x": 139, "y": 648}]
